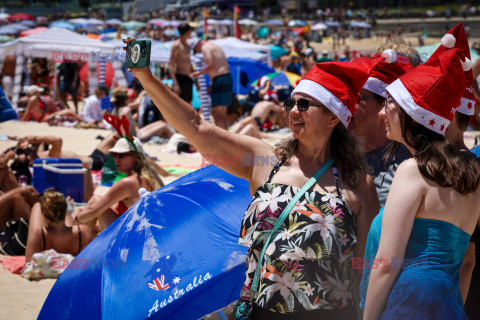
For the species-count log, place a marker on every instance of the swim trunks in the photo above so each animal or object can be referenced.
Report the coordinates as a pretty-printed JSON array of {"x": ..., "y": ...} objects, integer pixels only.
[
  {"x": 222, "y": 87},
  {"x": 186, "y": 86}
]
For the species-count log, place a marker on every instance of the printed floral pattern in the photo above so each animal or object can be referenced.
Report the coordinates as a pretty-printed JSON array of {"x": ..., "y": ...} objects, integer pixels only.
[{"x": 307, "y": 265}]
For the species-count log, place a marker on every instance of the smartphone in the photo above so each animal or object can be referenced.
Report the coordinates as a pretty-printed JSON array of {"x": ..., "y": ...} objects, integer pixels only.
[{"x": 138, "y": 54}]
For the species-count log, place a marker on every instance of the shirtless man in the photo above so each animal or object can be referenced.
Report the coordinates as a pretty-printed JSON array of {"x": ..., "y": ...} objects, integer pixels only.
[
  {"x": 37, "y": 108},
  {"x": 8, "y": 73},
  {"x": 180, "y": 66},
  {"x": 216, "y": 66}
]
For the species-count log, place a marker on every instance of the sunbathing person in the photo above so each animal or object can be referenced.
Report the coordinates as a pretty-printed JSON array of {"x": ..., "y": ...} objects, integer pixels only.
[
  {"x": 47, "y": 228},
  {"x": 17, "y": 203},
  {"x": 264, "y": 112},
  {"x": 37, "y": 109},
  {"x": 8, "y": 181},
  {"x": 130, "y": 159}
]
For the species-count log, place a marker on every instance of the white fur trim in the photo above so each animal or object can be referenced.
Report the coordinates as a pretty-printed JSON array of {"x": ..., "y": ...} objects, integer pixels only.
[
  {"x": 448, "y": 41},
  {"x": 321, "y": 94},
  {"x": 390, "y": 55},
  {"x": 423, "y": 116},
  {"x": 377, "y": 86},
  {"x": 463, "y": 107},
  {"x": 467, "y": 64}
]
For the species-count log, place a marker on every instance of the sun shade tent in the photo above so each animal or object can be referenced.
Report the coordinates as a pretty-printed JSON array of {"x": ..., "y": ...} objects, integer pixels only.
[
  {"x": 41, "y": 45},
  {"x": 151, "y": 262}
]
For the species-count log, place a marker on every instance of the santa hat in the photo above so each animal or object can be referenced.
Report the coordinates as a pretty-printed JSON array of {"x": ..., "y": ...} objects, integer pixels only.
[
  {"x": 428, "y": 92},
  {"x": 386, "y": 72},
  {"x": 337, "y": 85},
  {"x": 456, "y": 38},
  {"x": 263, "y": 80}
]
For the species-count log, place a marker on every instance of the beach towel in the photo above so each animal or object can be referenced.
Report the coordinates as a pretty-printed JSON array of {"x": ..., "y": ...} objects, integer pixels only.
[
  {"x": 46, "y": 264},
  {"x": 13, "y": 264},
  {"x": 6, "y": 110}
]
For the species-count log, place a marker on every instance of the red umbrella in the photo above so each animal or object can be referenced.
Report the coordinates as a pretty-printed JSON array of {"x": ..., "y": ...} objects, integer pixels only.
[
  {"x": 29, "y": 32},
  {"x": 109, "y": 73},
  {"x": 21, "y": 16}
]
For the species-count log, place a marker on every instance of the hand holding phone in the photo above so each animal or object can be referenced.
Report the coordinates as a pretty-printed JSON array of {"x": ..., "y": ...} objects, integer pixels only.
[{"x": 138, "y": 54}]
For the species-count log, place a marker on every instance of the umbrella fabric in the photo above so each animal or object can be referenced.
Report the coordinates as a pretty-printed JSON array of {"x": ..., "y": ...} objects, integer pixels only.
[
  {"x": 274, "y": 22},
  {"x": 21, "y": 16},
  {"x": 151, "y": 261},
  {"x": 62, "y": 24},
  {"x": 263, "y": 32},
  {"x": 427, "y": 51},
  {"x": 283, "y": 78},
  {"x": 319, "y": 26},
  {"x": 247, "y": 22},
  {"x": 28, "y": 23},
  {"x": 5, "y": 38},
  {"x": 296, "y": 23},
  {"x": 333, "y": 24},
  {"x": 133, "y": 25},
  {"x": 276, "y": 51},
  {"x": 29, "y": 32},
  {"x": 114, "y": 22}
]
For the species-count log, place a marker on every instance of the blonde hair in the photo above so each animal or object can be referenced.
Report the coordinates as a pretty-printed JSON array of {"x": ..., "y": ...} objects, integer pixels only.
[
  {"x": 403, "y": 48},
  {"x": 143, "y": 169},
  {"x": 53, "y": 205}
]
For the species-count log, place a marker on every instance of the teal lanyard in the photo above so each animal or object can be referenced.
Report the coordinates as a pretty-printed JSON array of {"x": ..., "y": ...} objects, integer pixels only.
[{"x": 282, "y": 218}]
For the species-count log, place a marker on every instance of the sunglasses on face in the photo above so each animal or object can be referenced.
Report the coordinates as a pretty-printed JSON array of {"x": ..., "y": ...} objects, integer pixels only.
[
  {"x": 302, "y": 104},
  {"x": 120, "y": 155},
  {"x": 364, "y": 98}
]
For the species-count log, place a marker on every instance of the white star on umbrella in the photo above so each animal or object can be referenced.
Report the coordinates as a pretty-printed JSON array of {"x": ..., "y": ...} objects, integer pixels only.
[{"x": 176, "y": 280}]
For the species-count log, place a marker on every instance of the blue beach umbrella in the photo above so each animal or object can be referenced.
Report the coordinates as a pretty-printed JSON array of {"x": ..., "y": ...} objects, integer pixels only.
[
  {"x": 173, "y": 255},
  {"x": 427, "y": 51}
]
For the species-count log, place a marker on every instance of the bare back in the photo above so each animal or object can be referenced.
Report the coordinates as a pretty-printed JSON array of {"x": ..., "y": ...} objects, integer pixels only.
[
  {"x": 70, "y": 240},
  {"x": 435, "y": 202},
  {"x": 214, "y": 56}
]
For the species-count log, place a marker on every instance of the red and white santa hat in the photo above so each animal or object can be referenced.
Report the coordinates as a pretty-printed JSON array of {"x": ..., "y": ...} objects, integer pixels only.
[
  {"x": 428, "y": 92},
  {"x": 457, "y": 38},
  {"x": 337, "y": 85},
  {"x": 386, "y": 72}
]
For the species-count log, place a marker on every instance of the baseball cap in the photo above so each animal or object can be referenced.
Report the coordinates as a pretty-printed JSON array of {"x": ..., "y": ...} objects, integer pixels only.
[
  {"x": 124, "y": 145},
  {"x": 34, "y": 89}
]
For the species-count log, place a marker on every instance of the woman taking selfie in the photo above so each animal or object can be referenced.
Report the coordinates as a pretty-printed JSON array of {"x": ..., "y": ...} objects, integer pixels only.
[{"x": 305, "y": 273}]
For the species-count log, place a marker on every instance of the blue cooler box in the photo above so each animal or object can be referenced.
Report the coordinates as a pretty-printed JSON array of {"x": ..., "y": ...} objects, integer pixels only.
[{"x": 65, "y": 175}]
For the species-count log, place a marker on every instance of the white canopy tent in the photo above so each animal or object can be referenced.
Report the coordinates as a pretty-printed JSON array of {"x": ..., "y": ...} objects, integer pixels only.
[
  {"x": 41, "y": 45},
  {"x": 232, "y": 43}
]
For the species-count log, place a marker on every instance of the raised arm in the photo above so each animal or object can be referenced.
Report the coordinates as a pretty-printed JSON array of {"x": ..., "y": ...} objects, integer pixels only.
[
  {"x": 403, "y": 201},
  {"x": 122, "y": 189},
  {"x": 212, "y": 142}
]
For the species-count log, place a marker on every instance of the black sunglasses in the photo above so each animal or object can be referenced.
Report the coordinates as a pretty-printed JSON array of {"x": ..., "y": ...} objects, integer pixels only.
[
  {"x": 363, "y": 98},
  {"x": 119, "y": 155},
  {"x": 302, "y": 104}
]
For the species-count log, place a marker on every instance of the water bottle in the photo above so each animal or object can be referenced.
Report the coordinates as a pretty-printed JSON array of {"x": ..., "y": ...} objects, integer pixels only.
[{"x": 22, "y": 180}]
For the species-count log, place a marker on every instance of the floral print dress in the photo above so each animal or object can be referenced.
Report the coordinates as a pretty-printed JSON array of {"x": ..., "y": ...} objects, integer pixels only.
[{"x": 307, "y": 265}]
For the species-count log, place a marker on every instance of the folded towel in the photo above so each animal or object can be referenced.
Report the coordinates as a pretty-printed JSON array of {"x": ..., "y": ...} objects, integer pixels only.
[{"x": 13, "y": 264}]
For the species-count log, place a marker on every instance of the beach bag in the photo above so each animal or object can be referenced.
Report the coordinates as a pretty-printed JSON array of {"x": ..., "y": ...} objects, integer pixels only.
[
  {"x": 13, "y": 240},
  {"x": 243, "y": 308},
  {"x": 46, "y": 264}
]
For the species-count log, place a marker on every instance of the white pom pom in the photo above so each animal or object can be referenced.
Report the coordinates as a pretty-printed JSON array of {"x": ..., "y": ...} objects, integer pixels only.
[
  {"x": 467, "y": 64},
  {"x": 448, "y": 41},
  {"x": 390, "y": 55},
  {"x": 143, "y": 192},
  {"x": 266, "y": 97}
]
